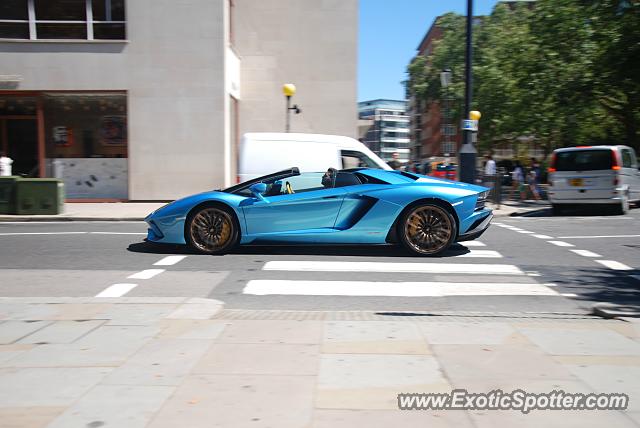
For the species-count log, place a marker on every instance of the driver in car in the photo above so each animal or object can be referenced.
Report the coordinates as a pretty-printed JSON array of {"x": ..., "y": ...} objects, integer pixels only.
[{"x": 329, "y": 178}]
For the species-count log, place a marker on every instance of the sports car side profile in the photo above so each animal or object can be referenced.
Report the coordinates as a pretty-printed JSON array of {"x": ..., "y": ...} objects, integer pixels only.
[{"x": 352, "y": 206}]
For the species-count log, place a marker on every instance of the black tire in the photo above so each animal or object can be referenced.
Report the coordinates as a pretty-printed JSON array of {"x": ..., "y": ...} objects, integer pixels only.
[
  {"x": 427, "y": 229},
  {"x": 211, "y": 229},
  {"x": 557, "y": 209}
]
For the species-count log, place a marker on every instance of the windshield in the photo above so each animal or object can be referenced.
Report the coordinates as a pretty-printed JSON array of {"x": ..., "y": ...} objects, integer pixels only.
[{"x": 583, "y": 160}]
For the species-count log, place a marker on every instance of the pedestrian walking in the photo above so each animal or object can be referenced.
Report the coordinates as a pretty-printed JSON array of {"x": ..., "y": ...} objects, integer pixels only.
[
  {"x": 5, "y": 165},
  {"x": 533, "y": 179},
  {"x": 489, "y": 171},
  {"x": 517, "y": 180},
  {"x": 394, "y": 163}
]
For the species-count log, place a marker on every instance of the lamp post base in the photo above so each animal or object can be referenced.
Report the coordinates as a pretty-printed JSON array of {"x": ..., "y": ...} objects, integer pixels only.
[{"x": 468, "y": 155}]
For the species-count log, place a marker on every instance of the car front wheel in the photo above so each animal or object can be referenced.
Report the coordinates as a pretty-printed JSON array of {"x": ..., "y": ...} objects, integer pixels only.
[
  {"x": 211, "y": 230},
  {"x": 427, "y": 229}
]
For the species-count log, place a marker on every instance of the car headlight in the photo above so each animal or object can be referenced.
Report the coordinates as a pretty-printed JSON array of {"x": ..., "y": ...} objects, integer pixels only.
[{"x": 482, "y": 198}]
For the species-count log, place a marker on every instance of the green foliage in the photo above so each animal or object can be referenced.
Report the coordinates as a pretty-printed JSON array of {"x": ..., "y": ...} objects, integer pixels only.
[{"x": 566, "y": 72}]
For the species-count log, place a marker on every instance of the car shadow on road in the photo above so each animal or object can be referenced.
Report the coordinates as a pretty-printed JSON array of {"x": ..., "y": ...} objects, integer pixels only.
[
  {"x": 603, "y": 285},
  {"x": 577, "y": 210},
  {"x": 298, "y": 250}
]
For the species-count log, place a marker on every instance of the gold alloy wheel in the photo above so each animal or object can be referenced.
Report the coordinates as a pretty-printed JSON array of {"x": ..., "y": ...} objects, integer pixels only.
[
  {"x": 211, "y": 229},
  {"x": 428, "y": 229}
]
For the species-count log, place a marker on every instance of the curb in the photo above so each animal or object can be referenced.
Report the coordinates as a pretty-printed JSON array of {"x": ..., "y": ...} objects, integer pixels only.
[
  {"x": 610, "y": 310},
  {"x": 5, "y": 219}
]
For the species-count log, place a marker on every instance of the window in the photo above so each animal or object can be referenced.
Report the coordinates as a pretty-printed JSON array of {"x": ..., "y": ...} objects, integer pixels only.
[
  {"x": 62, "y": 19},
  {"x": 583, "y": 160},
  {"x": 627, "y": 161},
  {"x": 346, "y": 179},
  {"x": 353, "y": 159}
]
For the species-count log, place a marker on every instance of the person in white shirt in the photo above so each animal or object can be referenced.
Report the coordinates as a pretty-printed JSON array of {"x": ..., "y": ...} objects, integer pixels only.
[
  {"x": 489, "y": 172},
  {"x": 5, "y": 165}
]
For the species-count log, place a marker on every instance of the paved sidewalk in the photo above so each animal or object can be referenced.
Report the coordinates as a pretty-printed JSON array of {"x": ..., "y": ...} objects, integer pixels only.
[
  {"x": 137, "y": 211},
  {"x": 170, "y": 362}
]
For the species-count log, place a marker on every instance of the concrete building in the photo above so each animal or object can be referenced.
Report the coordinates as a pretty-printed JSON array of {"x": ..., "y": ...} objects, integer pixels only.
[
  {"x": 147, "y": 99},
  {"x": 389, "y": 131}
]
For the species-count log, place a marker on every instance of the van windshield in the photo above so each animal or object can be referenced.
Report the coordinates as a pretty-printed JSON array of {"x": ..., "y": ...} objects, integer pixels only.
[{"x": 583, "y": 160}]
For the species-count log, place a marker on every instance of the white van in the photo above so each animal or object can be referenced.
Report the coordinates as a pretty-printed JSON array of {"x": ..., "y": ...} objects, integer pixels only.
[
  {"x": 262, "y": 153},
  {"x": 594, "y": 175}
]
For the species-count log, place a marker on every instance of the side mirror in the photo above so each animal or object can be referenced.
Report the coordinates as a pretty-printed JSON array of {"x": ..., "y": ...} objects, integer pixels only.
[{"x": 257, "y": 190}]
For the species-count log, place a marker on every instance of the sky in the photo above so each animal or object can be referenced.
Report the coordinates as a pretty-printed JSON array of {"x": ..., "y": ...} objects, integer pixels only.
[{"x": 389, "y": 33}]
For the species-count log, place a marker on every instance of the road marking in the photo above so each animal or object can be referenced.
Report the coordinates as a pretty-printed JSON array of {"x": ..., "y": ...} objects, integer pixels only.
[
  {"x": 515, "y": 229},
  {"x": 561, "y": 243},
  {"x": 525, "y": 231},
  {"x": 599, "y": 236},
  {"x": 146, "y": 274},
  {"x": 542, "y": 236},
  {"x": 586, "y": 253},
  {"x": 43, "y": 233},
  {"x": 612, "y": 264},
  {"x": 117, "y": 290},
  {"x": 322, "y": 266},
  {"x": 169, "y": 260},
  {"x": 399, "y": 289},
  {"x": 117, "y": 233},
  {"x": 488, "y": 254},
  {"x": 497, "y": 224},
  {"x": 569, "y": 295},
  {"x": 472, "y": 244}
]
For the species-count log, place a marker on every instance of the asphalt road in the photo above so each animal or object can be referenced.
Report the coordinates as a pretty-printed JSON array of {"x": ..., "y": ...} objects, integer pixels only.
[{"x": 535, "y": 264}]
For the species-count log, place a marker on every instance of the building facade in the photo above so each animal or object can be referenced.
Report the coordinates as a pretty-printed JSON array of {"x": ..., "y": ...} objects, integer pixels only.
[
  {"x": 147, "y": 99},
  {"x": 433, "y": 133},
  {"x": 388, "y": 130}
]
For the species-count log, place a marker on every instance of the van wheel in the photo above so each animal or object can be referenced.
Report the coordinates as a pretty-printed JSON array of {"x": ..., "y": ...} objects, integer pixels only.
[{"x": 623, "y": 207}]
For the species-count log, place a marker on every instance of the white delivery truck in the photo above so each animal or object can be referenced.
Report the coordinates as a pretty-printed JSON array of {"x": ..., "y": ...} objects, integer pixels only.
[{"x": 262, "y": 153}]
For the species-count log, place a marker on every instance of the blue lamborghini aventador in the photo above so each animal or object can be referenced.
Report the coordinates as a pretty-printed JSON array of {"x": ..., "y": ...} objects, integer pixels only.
[{"x": 352, "y": 206}]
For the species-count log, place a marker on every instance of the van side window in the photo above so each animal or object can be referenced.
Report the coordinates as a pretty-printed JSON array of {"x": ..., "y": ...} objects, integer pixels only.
[
  {"x": 627, "y": 160},
  {"x": 354, "y": 159}
]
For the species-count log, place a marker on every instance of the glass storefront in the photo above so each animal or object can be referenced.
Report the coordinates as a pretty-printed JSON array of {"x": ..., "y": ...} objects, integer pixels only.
[{"x": 79, "y": 137}]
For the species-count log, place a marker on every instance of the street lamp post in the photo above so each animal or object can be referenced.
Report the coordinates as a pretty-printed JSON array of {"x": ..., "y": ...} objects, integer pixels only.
[
  {"x": 289, "y": 89},
  {"x": 445, "y": 81},
  {"x": 468, "y": 151}
]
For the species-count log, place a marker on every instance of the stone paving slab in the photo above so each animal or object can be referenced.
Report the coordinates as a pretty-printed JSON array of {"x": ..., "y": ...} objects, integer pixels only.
[
  {"x": 115, "y": 406},
  {"x": 12, "y": 331},
  {"x": 375, "y": 337},
  {"x": 239, "y": 401},
  {"x": 62, "y": 332},
  {"x": 47, "y": 387}
]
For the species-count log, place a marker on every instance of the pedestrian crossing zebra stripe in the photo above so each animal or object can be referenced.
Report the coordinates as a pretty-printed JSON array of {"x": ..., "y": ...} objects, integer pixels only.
[
  {"x": 264, "y": 287},
  {"x": 472, "y": 244},
  {"x": 418, "y": 267},
  {"x": 489, "y": 254}
]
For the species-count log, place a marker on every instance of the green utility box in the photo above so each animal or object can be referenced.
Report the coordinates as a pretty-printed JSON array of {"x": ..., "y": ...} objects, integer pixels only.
[
  {"x": 39, "y": 196},
  {"x": 8, "y": 194}
]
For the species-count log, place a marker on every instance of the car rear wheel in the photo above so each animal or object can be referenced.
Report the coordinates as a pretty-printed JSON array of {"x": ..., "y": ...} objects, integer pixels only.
[
  {"x": 427, "y": 229},
  {"x": 211, "y": 230}
]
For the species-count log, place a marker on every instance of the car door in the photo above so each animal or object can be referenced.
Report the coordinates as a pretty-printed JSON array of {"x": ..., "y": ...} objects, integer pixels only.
[{"x": 311, "y": 206}]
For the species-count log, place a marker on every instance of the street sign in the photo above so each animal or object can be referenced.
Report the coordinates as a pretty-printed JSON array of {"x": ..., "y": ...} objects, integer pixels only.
[{"x": 469, "y": 125}]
